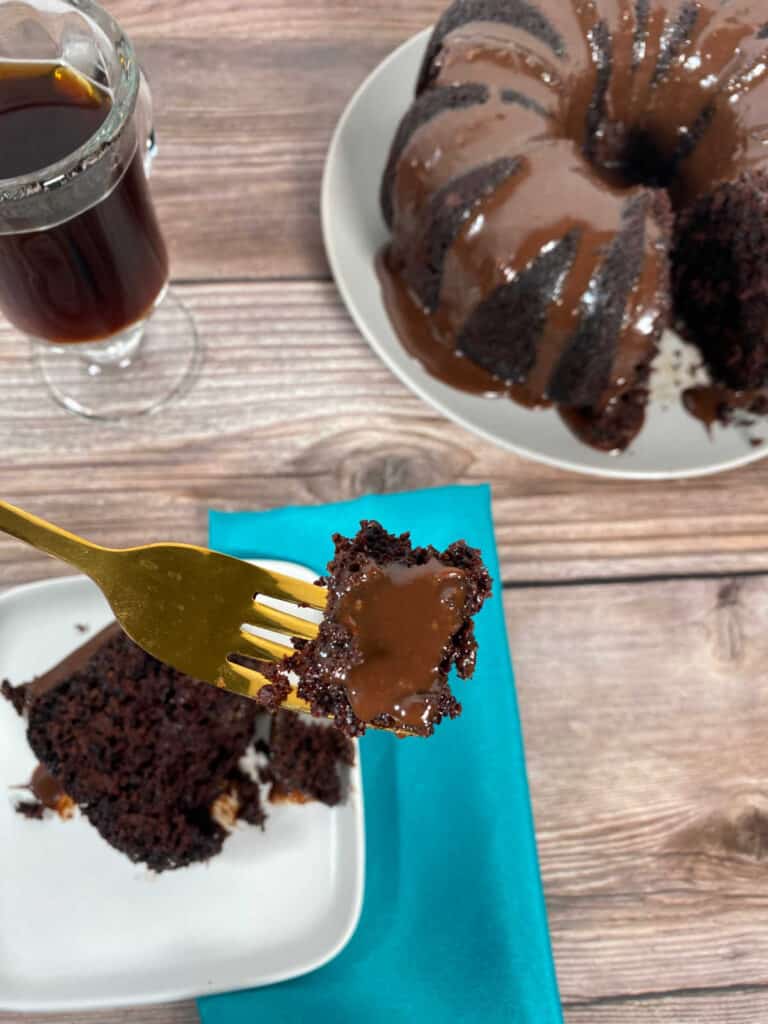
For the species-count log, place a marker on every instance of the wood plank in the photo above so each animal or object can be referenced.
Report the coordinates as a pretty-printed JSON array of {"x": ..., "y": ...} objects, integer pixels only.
[
  {"x": 645, "y": 717},
  {"x": 175, "y": 1013},
  {"x": 706, "y": 1007},
  {"x": 246, "y": 99},
  {"x": 714, "y": 1007},
  {"x": 292, "y": 407},
  {"x": 319, "y": 21}
]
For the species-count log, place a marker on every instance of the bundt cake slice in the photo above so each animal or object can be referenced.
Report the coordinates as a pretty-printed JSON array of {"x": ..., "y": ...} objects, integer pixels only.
[{"x": 148, "y": 755}]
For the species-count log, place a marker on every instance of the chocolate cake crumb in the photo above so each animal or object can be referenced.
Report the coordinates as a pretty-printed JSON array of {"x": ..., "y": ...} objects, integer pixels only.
[
  {"x": 305, "y": 760},
  {"x": 720, "y": 279},
  {"x": 31, "y": 809},
  {"x": 328, "y": 666},
  {"x": 14, "y": 694},
  {"x": 249, "y": 795}
]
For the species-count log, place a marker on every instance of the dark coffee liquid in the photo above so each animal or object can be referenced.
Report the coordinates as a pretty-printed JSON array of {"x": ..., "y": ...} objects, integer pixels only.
[{"x": 95, "y": 274}]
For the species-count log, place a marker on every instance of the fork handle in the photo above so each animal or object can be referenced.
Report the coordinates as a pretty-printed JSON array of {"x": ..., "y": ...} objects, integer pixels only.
[{"x": 51, "y": 539}]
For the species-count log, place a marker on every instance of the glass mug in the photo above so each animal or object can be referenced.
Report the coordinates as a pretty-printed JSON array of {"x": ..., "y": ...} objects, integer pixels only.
[{"x": 83, "y": 264}]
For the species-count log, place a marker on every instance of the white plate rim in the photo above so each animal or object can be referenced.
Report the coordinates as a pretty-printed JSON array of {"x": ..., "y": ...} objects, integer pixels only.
[
  {"x": 613, "y": 469},
  {"x": 169, "y": 995}
]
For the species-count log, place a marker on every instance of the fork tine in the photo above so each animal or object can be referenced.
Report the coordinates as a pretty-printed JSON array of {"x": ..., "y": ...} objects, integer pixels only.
[
  {"x": 266, "y": 650},
  {"x": 248, "y": 681},
  {"x": 240, "y": 680},
  {"x": 286, "y": 588},
  {"x": 295, "y": 703},
  {"x": 282, "y": 622}
]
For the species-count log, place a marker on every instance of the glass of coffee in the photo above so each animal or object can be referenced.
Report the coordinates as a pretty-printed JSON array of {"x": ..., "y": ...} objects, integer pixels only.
[{"x": 83, "y": 264}]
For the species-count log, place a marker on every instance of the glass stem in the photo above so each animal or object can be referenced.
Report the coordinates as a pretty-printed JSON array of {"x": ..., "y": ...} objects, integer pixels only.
[{"x": 118, "y": 352}]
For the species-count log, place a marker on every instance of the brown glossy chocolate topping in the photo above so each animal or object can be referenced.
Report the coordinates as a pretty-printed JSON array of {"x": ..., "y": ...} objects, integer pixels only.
[
  {"x": 706, "y": 404},
  {"x": 73, "y": 663},
  {"x": 414, "y": 328},
  {"x": 403, "y": 619},
  {"x": 48, "y": 794},
  {"x": 47, "y": 790},
  {"x": 713, "y": 403},
  {"x": 592, "y": 109}
]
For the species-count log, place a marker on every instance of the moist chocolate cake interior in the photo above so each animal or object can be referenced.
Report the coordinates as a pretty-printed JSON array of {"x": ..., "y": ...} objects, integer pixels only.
[
  {"x": 151, "y": 757},
  {"x": 398, "y": 619}
]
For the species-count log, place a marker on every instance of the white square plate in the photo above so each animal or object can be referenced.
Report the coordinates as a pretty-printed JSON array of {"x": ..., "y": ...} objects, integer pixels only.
[{"x": 82, "y": 927}]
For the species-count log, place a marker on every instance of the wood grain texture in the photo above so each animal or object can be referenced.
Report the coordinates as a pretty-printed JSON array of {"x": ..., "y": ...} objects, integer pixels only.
[
  {"x": 246, "y": 98},
  {"x": 353, "y": 22},
  {"x": 645, "y": 711},
  {"x": 293, "y": 407},
  {"x": 749, "y": 1006},
  {"x": 175, "y": 1013}
]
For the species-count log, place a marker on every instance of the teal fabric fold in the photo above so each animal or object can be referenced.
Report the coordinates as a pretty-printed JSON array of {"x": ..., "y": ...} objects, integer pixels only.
[{"x": 454, "y": 925}]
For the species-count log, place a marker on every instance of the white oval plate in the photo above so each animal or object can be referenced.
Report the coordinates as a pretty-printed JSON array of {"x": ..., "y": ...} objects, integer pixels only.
[
  {"x": 671, "y": 444},
  {"x": 81, "y": 927}
]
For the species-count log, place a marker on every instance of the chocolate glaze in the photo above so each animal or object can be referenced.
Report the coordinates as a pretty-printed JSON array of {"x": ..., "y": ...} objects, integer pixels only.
[
  {"x": 714, "y": 403},
  {"x": 48, "y": 791},
  {"x": 706, "y": 404},
  {"x": 75, "y": 661},
  {"x": 48, "y": 794},
  {"x": 594, "y": 104},
  {"x": 414, "y": 328},
  {"x": 402, "y": 618}
]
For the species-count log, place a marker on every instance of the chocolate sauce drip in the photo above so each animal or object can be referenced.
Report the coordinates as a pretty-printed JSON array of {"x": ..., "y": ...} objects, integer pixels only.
[
  {"x": 403, "y": 619},
  {"x": 48, "y": 794},
  {"x": 674, "y": 39},
  {"x": 642, "y": 15},
  {"x": 518, "y": 13},
  {"x": 708, "y": 404},
  {"x": 449, "y": 97},
  {"x": 47, "y": 790},
  {"x": 513, "y": 96},
  {"x": 690, "y": 140},
  {"x": 583, "y": 372},
  {"x": 601, "y": 48},
  {"x": 503, "y": 333},
  {"x": 448, "y": 212},
  {"x": 716, "y": 403}
]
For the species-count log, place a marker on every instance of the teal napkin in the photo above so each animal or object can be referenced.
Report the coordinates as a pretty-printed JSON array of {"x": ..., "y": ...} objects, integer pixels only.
[{"x": 453, "y": 927}]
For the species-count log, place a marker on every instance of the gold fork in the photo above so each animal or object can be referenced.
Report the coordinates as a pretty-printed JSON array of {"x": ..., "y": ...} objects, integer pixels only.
[{"x": 185, "y": 605}]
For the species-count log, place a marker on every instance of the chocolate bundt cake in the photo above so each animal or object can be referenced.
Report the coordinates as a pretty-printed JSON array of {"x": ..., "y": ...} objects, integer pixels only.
[{"x": 571, "y": 178}]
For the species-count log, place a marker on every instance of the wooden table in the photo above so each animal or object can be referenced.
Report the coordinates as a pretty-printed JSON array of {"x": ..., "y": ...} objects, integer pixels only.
[{"x": 638, "y": 613}]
